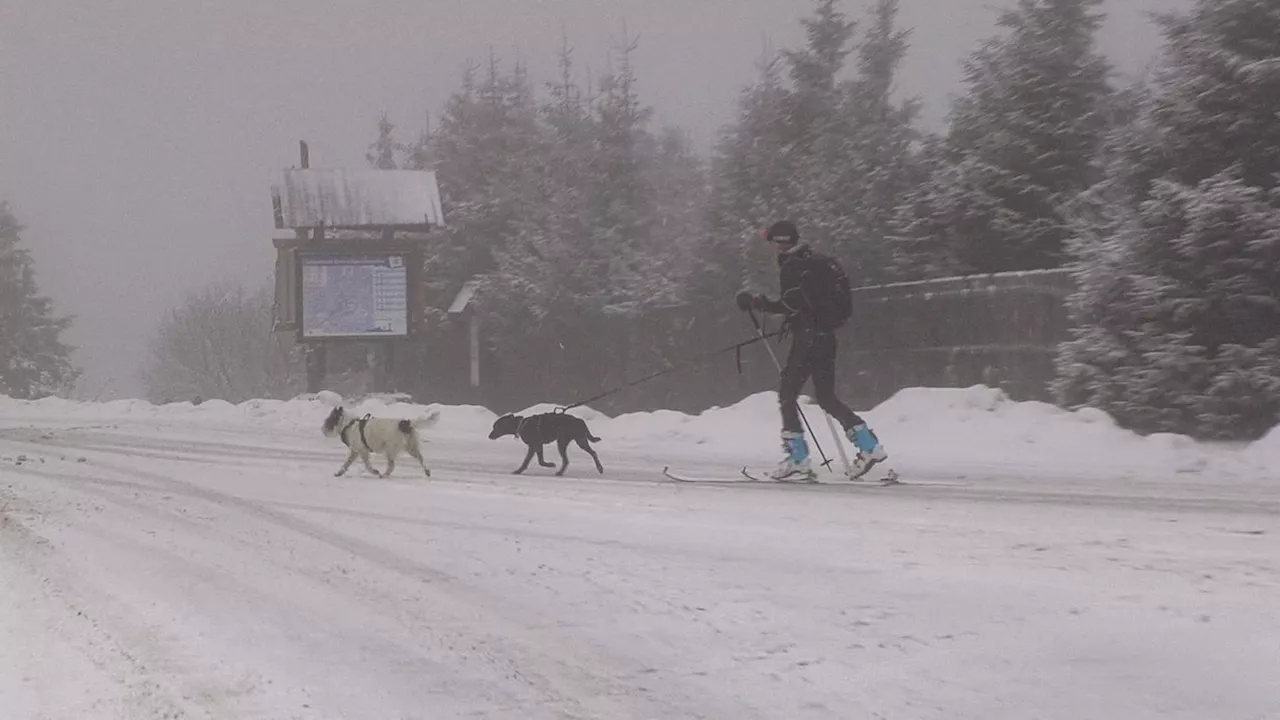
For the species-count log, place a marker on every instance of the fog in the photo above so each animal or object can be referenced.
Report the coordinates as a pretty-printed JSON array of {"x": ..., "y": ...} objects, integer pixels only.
[{"x": 137, "y": 137}]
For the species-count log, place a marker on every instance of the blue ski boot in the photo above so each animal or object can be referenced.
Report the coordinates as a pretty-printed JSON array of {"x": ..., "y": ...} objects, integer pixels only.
[
  {"x": 870, "y": 451},
  {"x": 795, "y": 467}
]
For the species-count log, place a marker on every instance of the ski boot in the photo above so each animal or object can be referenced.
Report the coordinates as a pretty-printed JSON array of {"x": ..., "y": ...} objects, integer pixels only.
[
  {"x": 870, "y": 451},
  {"x": 795, "y": 467}
]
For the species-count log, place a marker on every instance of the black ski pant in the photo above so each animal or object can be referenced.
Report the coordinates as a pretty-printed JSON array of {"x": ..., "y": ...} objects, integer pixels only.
[{"x": 813, "y": 354}]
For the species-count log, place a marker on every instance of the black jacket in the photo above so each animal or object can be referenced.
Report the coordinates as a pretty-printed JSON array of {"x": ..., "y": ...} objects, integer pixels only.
[{"x": 794, "y": 301}]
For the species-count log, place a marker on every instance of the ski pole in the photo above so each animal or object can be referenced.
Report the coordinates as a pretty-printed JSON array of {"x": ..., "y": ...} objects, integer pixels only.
[
  {"x": 760, "y": 333},
  {"x": 838, "y": 440}
]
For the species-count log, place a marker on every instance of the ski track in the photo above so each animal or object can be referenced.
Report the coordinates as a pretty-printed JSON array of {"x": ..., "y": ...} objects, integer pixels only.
[{"x": 227, "y": 574}]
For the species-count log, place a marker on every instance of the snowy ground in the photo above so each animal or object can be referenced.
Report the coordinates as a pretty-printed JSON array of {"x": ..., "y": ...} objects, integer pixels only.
[{"x": 183, "y": 562}]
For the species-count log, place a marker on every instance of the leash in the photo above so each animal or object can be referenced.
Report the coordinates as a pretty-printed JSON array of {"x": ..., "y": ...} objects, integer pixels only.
[{"x": 736, "y": 348}]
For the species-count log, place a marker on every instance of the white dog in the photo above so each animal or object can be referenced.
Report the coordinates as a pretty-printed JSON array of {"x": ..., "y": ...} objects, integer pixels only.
[{"x": 366, "y": 435}]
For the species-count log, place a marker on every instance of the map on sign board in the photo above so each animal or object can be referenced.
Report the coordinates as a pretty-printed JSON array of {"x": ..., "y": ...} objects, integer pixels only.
[{"x": 354, "y": 296}]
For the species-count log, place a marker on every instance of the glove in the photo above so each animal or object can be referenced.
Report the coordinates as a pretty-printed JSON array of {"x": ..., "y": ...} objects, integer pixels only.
[{"x": 745, "y": 300}]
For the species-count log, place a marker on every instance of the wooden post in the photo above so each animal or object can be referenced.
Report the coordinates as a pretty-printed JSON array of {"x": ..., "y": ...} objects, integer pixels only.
[
  {"x": 373, "y": 363},
  {"x": 383, "y": 350},
  {"x": 317, "y": 360},
  {"x": 317, "y": 355},
  {"x": 474, "y": 327},
  {"x": 380, "y": 358},
  {"x": 388, "y": 365}
]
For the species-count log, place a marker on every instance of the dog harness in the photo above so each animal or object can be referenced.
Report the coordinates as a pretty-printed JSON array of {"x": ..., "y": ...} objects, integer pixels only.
[
  {"x": 361, "y": 422},
  {"x": 520, "y": 426}
]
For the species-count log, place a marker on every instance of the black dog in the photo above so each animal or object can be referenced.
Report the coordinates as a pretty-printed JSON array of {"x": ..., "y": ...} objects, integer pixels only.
[{"x": 538, "y": 430}]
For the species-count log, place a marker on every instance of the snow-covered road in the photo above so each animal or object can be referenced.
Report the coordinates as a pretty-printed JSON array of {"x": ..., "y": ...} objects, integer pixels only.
[{"x": 152, "y": 572}]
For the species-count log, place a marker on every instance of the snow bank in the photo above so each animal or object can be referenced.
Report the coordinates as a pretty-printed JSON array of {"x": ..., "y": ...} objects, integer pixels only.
[
  {"x": 979, "y": 428},
  {"x": 1265, "y": 453},
  {"x": 941, "y": 430}
]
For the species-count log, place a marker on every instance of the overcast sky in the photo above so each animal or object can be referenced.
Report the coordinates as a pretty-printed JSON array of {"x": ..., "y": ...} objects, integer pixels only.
[{"x": 137, "y": 136}]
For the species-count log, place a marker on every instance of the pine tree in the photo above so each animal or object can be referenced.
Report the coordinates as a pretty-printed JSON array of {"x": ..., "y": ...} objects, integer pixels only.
[
  {"x": 622, "y": 204},
  {"x": 752, "y": 184},
  {"x": 818, "y": 135},
  {"x": 877, "y": 156},
  {"x": 34, "y": 362},
  {"x": 1179, "y": 300},
  {"x": 543, "y": 268},
  {"x": 1020, "y": 147},
  {"x": 382, "y": 152},
  {"x": 679, "y": 181},
  {"x": 486, "y": 154},
  {"x": 815, "y": 70},
  {"x": 601, "y": 254},
  {"x": 542, "y": 299}
]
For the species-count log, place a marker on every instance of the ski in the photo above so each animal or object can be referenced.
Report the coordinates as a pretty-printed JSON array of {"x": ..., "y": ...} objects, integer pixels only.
[
  {"x": 890, "y": 478},
  {"x": 747, "y": 477},
  {"x": 719, "y": 480}
]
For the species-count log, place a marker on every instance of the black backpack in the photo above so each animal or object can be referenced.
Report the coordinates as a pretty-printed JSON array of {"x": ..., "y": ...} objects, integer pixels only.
[{"x": 827, "y": 288}]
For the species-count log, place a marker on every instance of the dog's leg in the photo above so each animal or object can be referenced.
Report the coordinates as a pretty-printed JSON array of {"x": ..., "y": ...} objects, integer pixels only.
[
  {"x": 391, "y": 463},
  {"x": 543, "y": 461},
  {"x": 528, "y": 456},
  {"x": 563, "y": 444},
  {"x": 364, "y": 455},
  {"x": 582, "y": 443},
  {"x": 416, "y": 453},
  {"x": 351, "y": 457}
]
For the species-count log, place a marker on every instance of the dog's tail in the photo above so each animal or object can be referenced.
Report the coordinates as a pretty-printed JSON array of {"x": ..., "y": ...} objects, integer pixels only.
[
  {"x": 408, "y": 426},
  {"x": 425, "y": 421},
  {"x": 591, "y": 437}
]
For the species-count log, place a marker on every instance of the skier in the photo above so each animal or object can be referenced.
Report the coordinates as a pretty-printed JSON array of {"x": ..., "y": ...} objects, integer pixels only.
[{"x": 815, "y": 300}]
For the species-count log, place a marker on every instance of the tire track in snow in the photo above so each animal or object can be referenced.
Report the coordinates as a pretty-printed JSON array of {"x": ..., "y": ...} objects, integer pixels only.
[
  {"x": 568, "y": 680},
  {"x": 440, "y": 677},
  {"x": 78, "y": 641}
]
